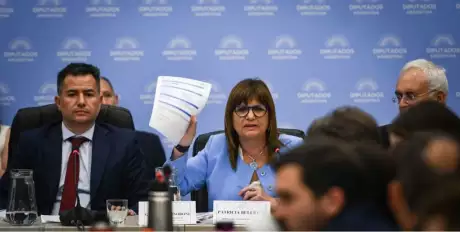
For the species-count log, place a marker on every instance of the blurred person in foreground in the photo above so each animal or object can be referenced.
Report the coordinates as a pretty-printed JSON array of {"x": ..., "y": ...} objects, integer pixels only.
[
  {"x": 348, "y": 123},
  {"x": 108, "y": 164},
  {"x": 326, "y": 185},
  {"x": 419, "y": 80},
  {"x": 440, "y": 210},
  {"x": 242, "y": 155},
  {"x": 424, "y": 162},
  {"x": 424, "y": 116}
]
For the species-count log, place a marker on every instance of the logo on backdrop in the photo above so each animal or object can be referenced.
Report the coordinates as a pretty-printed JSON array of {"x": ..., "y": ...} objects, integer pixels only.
[
  {"x": 314, "y": 91},
  {"x": 284, "y": 48},
  {"x": 337, "y": 47},
  {"x": 217, "y": 95},
  {"x": 149, "y": 93},
  {"x": 457, "y": 94},
  {"x": 126, "y": 49},
  {"x": 366, "y": 7},
  {"x": 389, "y": 47},
  {"x": 204, "y": 8},
  {"x": 313, "y": 7},
  {"x": 74, "y": 50},
  {"x": 5, "y": 96},
  {"x": 457, "y": 6},
  {"x": 274, "y": 94},
  {"x": 102, "y": 9},
  {"x": 5, "y": 11},
  {"x": 179, "y": 49},
  {"x": 419, "y": 7},
  {"x": 49, "y": 9},
  {"x": 443, "y": 46},
  {"x": 46, "y": 94},
  {"x": 366, "y": 91},
  {"x": 261, "y": 8},
  {"x": 231, "y": 48},
  {"x": 20, "y": 50},
  {"x": 155, "y": 8}
]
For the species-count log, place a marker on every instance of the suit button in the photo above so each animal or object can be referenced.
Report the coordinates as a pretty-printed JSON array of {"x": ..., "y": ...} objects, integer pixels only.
[{"x": 262, "y": 173}]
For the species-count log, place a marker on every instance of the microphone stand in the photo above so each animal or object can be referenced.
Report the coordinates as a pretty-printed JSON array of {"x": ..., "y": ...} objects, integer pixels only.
[{"x": 76, "y": 216}]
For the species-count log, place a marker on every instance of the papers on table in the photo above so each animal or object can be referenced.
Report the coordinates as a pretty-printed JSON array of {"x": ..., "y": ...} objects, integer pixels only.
[
  {"x": 50, "y": 218},
  {"x": 176, "y": 100}
]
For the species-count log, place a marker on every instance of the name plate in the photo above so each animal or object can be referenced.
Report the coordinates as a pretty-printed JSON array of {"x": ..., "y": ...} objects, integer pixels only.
[
  {"x": 184, "y": 212},
  {"x": 241, "y": 212}
]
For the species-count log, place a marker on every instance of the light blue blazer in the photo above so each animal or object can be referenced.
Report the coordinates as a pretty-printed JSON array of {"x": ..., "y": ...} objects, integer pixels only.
[{"x": 212, "y": 166}]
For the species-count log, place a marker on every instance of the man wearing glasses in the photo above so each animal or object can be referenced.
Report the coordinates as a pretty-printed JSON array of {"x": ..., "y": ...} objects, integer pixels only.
[{"x": 419, "y": 80}]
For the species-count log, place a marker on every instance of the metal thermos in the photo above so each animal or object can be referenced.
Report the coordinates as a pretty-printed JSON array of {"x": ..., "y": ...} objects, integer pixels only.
[{"x": 160, "y": 216}]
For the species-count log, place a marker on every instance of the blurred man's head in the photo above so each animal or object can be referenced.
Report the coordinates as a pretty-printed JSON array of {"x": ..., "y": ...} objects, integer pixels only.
[
  {"x": 424, "y": 161},
  {"x": 109, "y": 97},
  {"x": 440, "y": 210},
  {"x": 316, "y": 182},
  {"x": 420, "y": 80},
  {"x": 424, "y": 116},
  {"x": 347, "y": 123},
  {"x": 78, "y": 96}
]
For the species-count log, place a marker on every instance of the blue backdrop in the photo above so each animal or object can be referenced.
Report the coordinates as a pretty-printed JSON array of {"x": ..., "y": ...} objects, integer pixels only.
[{"x": 314, "y": 54}]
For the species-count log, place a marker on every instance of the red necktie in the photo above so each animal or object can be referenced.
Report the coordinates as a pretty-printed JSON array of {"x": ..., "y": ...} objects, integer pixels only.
[{"x": 69, "y": 194}]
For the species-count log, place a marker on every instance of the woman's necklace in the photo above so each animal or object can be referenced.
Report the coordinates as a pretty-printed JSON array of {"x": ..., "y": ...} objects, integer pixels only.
[{"x": 253, "y": 164}]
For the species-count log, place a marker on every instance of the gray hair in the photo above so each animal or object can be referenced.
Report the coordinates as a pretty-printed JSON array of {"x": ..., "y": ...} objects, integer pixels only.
[{"x": 435, "y": 74}]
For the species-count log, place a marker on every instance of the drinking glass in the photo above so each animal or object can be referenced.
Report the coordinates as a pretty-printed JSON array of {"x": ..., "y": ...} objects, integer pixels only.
[
  {"x": 117, "y": 211},
  {"x": 22, "y": 207}
]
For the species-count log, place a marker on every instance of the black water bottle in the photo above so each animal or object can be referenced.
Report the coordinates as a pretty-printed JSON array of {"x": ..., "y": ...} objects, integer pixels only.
[{"x": 160, "y": 216}]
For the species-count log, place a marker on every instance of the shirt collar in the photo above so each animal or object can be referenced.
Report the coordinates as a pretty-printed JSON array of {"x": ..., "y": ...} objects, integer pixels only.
[{"x": 66, "y": 133}]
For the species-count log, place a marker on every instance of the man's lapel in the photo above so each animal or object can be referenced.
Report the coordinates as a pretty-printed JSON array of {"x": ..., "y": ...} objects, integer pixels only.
[
  {"x": 101, "y": 150},
  {"x": 52, "y": 158}
]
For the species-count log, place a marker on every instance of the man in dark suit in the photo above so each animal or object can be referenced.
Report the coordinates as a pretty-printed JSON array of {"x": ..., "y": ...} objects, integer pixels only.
[
  {"x": 104, "y": 160},
  {"x": 418, "y": 81},
  {"x": 149, "y": 143}
]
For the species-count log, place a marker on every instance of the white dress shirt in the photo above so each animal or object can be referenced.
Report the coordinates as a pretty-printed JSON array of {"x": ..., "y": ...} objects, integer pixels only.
[{"x": 85, "y": 167}]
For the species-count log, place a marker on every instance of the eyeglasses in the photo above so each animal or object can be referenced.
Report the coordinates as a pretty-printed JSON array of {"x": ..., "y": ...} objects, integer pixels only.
[
  {"x": 409, "y": 97},
  {"x": 257, "y": 110}
]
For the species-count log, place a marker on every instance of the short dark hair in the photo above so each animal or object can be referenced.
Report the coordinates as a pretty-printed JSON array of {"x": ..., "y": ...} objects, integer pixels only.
[
  {"x": 426, "y": 116},
  {"x": 415, "y": 175},
  {"x": 328, "y": 163},
  {"x": 444, "y": 202},
  {"x": 348, "y": 123},
  {"x": 108, "y": 82},
  {"x": 78, "y": 69}
]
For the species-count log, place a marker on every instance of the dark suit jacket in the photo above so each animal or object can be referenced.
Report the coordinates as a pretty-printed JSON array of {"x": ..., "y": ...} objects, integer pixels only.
[
  {"x": 117, "y": 166},
  {"x": 384, "y": 136},
  {"x": 152, "y": 149}
]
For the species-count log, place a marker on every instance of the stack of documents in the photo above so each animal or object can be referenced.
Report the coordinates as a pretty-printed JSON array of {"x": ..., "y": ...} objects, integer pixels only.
[{"x": 176, "y": 100}]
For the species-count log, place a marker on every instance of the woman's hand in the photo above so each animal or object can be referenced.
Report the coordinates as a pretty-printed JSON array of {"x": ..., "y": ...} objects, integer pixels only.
[
  {"x": 254, "y": 193},
  {"x": 188, "y": 137}
]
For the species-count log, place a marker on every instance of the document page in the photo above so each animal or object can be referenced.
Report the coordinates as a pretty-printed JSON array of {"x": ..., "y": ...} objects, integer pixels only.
[{"x": 176, "y": 100}]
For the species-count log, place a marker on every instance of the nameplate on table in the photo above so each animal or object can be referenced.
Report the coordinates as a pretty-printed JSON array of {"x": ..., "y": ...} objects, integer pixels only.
[
  {"x": 184, "y": 212},
  {"x": 240, "y": 212}
]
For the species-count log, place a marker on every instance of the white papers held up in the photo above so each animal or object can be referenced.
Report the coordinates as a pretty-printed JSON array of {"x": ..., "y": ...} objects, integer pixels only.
[{"x": 176, "y": 100}]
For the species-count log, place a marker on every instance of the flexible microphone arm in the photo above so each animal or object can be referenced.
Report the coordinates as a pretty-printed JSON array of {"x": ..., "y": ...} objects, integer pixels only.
[{"x": 76, "y": 216}]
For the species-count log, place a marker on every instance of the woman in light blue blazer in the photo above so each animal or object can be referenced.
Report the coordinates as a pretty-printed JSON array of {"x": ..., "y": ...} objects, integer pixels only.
[{"x": 230, "y": 162}]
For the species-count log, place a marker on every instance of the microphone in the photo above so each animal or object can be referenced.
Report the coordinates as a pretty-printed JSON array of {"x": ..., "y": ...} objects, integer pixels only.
[
  {"x": 76, "y": 216},
  {"x": 277, "y": 153}
]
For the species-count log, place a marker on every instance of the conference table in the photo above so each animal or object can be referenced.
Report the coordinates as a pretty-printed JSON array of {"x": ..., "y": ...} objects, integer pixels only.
[{"x": 131, "y": 224}]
